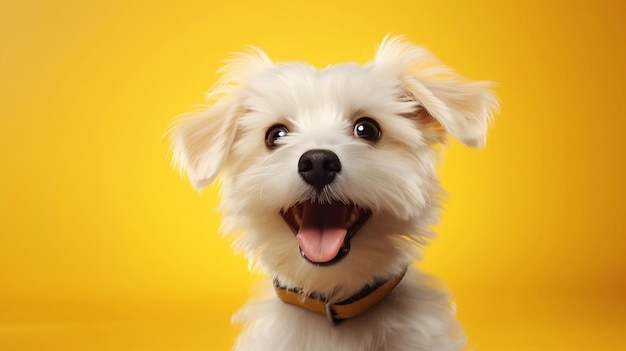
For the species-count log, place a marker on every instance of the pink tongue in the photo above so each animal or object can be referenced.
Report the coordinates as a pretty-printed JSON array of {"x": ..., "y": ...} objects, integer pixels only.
[{"x": 323, "y": 231}]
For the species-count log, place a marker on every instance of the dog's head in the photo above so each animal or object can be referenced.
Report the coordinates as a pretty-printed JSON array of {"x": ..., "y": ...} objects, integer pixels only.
[{"x": 330, "y": 174}]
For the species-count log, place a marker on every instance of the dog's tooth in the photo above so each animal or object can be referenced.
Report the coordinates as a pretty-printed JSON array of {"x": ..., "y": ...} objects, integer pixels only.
[
  {"x": 297, "y": 215},
  {"x": 353, "y": 216}
]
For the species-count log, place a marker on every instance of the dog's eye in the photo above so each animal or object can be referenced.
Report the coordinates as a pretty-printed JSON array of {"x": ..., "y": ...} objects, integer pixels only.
[
  {"x": 366, "y": 128},
  {"x": 273, "y": 134}
]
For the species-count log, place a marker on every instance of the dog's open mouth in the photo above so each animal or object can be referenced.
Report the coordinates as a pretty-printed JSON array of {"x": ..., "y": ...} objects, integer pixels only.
[{"x": 324, "y": 231}]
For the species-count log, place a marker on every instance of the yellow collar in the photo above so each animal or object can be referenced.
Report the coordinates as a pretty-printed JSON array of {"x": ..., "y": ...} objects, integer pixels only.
[{"x": 358, "y": 303}]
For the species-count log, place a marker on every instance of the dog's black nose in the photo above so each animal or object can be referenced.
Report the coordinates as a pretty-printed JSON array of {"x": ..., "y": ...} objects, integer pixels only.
[{"x": 319, "y": 167}]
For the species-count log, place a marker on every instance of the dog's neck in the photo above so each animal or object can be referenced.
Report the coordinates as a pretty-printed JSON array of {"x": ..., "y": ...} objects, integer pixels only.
[{"x": 351, "y": 307}]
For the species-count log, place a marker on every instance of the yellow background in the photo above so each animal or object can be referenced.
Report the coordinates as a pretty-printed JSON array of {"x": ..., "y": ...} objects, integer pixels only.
[{"x": 104, "y": 247}]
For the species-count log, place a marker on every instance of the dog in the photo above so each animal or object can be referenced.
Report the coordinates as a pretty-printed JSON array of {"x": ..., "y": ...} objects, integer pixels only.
[{"x": 329, "y": 186}]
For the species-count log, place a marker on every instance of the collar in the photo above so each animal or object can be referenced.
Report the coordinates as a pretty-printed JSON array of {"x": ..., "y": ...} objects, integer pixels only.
[{"x": 353, "y": 306}]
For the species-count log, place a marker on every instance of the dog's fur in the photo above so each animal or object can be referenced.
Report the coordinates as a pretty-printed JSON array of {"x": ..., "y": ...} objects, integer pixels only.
[{"x": 415, "y": 100}]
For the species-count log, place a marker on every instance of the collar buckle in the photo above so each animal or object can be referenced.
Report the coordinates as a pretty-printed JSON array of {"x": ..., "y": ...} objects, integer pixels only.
[{"x": 330, "y": 315}]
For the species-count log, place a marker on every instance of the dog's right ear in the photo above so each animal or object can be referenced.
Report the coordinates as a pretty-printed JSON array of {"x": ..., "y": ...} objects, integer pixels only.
[{"x": 201, "y": 141}]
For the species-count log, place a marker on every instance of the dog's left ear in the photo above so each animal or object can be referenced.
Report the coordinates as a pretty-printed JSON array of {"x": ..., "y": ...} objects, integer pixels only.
[{"x": 463, "y": 108}]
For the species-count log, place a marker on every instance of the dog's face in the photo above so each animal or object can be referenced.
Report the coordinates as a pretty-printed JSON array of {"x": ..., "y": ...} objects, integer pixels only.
[{"x": 329, "y": 175}]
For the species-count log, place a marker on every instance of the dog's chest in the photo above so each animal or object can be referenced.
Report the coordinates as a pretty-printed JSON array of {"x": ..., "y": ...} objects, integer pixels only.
[{"x": 412, "y": 317}]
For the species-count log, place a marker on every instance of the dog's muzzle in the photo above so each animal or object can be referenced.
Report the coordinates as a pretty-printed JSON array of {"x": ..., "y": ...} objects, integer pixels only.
[{"x": 323, "y": 229}]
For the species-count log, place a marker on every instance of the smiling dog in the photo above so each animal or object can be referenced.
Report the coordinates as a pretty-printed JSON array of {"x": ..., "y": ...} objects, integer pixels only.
[{"x": 329, "y": 186}]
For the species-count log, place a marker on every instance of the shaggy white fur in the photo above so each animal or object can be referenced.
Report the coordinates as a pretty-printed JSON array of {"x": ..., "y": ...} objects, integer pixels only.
[{"x": 384, "y": 121}]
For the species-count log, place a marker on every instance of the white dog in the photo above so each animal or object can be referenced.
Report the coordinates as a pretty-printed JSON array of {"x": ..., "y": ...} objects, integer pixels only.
[{"x": 329, "y": 186}]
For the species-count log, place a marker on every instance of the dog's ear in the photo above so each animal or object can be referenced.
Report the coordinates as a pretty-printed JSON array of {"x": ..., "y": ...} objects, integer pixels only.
[
  {"x": 463, "y": 108},
  {"x": 201, "y": 141}
]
